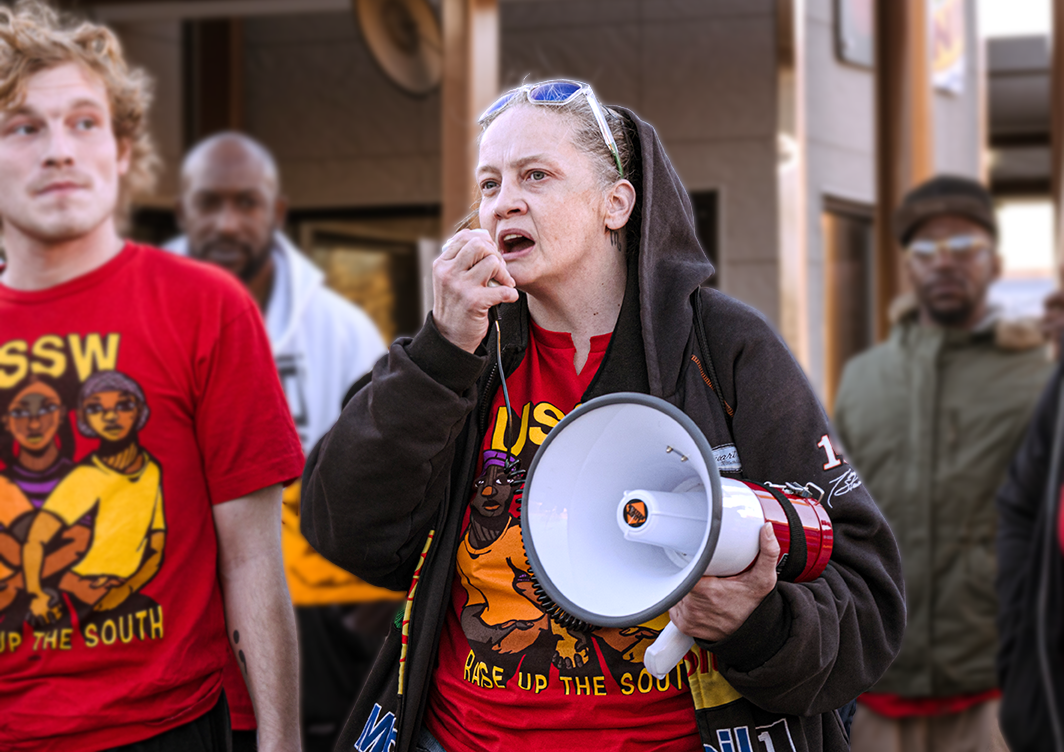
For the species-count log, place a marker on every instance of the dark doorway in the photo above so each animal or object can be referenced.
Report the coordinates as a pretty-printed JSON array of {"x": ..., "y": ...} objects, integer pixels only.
[
  {"x": 707, "y": 228},
  {"x": 152, "y": 225},
  {"x": 848, "y": 299}
]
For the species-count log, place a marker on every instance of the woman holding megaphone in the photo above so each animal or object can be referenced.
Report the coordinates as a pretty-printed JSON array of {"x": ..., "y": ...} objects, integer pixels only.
[{"x": 582, "y": 278}]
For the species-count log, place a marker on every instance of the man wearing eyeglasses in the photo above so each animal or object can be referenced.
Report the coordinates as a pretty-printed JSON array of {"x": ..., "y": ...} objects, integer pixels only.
[{"x": 930, "y": 419}]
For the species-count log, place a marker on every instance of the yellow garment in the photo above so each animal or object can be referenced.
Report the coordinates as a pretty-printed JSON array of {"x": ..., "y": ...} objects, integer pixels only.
[
  {"x": 497, "y": 577},
  {"x": 488, "y": 578},
  {"x": 708, "y": 686},
  {"x": 312, "y": 580},
  {"x": 129, "y": 508},
  {"x": 13, "y": 503}
]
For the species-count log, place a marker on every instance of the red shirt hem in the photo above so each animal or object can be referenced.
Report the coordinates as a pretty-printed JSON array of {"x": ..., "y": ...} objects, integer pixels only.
[
  {"x": 896, "y": 706},
  {"x": 107, "y": 738},
  {"x": 241, "y": 722}
]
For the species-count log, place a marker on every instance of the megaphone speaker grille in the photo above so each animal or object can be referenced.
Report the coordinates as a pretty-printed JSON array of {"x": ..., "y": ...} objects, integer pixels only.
[{"x": 582, "y": 564}]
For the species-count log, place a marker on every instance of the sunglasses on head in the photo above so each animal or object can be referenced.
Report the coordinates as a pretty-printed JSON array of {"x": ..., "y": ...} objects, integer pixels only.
[
  {"x": 959, "y": 247},
  {"x": 559, "y": 92}
]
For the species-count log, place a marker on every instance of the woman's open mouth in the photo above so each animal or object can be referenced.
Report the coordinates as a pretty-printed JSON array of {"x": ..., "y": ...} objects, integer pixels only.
[{"x": 514, "y": 241}]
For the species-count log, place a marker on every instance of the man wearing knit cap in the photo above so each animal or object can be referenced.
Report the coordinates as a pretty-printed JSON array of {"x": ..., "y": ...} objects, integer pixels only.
[{"x": 930, "y": 419}]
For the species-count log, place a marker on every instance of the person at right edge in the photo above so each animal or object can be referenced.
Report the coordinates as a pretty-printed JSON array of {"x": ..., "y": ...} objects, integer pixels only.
[
  {"x": 930, "y": 419},
  {"x": 589, "y": 233},
  {"x": 1030, "y": 577}
]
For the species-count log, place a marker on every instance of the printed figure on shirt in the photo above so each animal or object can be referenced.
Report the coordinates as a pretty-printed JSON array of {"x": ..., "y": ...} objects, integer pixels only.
[
  {"x": 122, "y": 485},
  {"x": 507, "y": 629},
  {"x": 502, "y": 620},
  {"x": 491, "y": 550},
  {"x": 13, "y": 507},
  {"x": 37, "y": 450},
  {"x": 36, "y": 421}
]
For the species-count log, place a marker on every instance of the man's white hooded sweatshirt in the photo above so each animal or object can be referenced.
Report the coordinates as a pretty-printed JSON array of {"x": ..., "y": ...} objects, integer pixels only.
[{"x": 322, "y": 344}]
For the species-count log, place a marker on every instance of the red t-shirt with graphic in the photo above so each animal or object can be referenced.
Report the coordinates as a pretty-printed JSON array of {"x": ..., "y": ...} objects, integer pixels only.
[
  {"x": 508, "y": 677},
  {"x": 241, "y": 710},
  {"x": 132, "y": 399}
]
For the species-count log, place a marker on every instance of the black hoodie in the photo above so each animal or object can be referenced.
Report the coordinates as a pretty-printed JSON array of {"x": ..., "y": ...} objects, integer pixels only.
[
  {"x": 1030, "y": 579},
  {"x": 384, "y": 493}
]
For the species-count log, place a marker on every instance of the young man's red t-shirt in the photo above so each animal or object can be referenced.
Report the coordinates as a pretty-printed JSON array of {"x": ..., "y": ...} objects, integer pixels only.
[
  {"x": 159, "y": 376},
  {"x": 508, "y": 677},
  {"x": 241, "y": 710}
]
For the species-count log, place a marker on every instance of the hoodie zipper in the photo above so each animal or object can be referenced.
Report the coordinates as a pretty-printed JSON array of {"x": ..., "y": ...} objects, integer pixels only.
[
  {"x": 485, "y": 404},
  {"x": 431, "y": 551}
]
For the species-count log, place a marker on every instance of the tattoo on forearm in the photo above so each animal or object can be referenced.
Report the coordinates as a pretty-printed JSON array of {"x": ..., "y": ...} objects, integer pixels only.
[{"x": 240, "y": 653}]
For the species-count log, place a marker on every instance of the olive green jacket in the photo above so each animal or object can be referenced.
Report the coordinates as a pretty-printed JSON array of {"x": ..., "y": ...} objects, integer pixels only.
[{"x": 931, "y": 419}]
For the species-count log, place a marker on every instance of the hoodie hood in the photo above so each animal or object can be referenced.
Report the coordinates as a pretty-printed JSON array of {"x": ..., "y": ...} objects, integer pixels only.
[
  {"x": 303, "y": 281},
  {"x": 1018, "y": 334},
  {"x": 671, "y": 263}
]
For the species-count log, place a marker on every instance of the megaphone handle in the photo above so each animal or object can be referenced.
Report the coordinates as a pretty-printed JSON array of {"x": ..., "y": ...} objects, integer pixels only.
[{"x": 666, "y": 651}]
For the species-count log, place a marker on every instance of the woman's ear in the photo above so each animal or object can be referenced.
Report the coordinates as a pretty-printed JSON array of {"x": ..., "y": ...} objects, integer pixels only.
[{"x": 620, "y": 201}]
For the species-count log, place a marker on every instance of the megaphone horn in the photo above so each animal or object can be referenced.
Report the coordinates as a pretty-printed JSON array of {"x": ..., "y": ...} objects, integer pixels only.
[{"x": 624, "y": 510}]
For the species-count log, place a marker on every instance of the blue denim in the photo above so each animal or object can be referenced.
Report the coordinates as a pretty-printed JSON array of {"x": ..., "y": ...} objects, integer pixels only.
[{"x": 427, "y": 742}]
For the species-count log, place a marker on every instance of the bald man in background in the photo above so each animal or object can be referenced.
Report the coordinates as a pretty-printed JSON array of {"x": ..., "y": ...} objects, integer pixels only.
[{"x": 231, "y": 211}]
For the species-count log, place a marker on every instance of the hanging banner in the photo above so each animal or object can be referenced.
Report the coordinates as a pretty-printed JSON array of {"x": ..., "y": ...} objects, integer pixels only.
[
  {"x": 948, "y": 45},
  {"x": 854, "y": 35}
]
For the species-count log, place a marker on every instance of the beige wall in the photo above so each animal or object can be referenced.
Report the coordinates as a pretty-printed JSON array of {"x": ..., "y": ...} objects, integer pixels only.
[
  {"x": 704, "y": 74},
  {"x": 840, "y": 121},
  {"x": 156, "y": 46},
  {"x": 957, "y": 134},
  {"x": 342, "y": 133},
  {"x": 702, "y": 71}
]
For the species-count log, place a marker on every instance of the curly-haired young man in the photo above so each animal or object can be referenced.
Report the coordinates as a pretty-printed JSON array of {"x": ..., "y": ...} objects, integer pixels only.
[{"x": 127, "y": 645}]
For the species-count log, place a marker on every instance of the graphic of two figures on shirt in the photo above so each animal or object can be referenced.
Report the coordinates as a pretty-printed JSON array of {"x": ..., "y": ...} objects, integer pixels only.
[
  {"x": 94, "y": 530},
  {"x": 516, "y": 631}
]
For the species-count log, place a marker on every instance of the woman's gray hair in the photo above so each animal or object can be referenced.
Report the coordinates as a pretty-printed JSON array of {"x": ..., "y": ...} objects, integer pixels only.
[
  {"x": 587, "y": 136},
  {"x": 110, "y": 381}
]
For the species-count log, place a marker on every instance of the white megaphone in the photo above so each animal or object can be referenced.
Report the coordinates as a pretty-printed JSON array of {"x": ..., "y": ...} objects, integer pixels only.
[{"x": 624, "y": 510}]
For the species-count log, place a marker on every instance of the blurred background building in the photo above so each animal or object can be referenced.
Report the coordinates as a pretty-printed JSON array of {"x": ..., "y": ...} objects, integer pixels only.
[
  {"x": 1019, "y": 63},
  {"x": 786, "y": 119}
]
